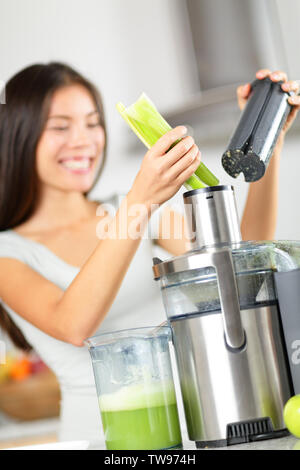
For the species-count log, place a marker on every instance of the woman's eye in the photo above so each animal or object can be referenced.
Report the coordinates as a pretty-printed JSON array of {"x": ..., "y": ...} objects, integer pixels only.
[
  {"x": 59, "y": 128},
  {"x": 91, "y": 126}
]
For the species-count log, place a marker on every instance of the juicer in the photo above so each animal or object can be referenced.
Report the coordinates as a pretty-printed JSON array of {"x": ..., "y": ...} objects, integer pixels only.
[{"x": 234, "y": 311}]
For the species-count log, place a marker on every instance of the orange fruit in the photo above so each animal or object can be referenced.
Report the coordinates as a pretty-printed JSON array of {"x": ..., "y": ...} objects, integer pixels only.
[{"x": 21, "y": 369}]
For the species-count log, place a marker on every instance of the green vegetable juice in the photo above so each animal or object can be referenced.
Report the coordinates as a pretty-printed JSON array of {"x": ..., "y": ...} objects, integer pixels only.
[{"x": 141, "y": 417}]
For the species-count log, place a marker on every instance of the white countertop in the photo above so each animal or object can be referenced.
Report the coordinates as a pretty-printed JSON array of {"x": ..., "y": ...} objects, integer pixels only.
[
  {"x": 11, "y": 430},
  {"x": 285, "y": 443}
]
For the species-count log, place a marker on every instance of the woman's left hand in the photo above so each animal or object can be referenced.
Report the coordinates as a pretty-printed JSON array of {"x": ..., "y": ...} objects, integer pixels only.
[
  {"x": 243, "y": 93},
  {"x": 260, "y": 213}
]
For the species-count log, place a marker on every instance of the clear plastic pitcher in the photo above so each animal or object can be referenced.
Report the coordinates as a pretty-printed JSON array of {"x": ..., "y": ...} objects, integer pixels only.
[{"x": 135, "y": 387}]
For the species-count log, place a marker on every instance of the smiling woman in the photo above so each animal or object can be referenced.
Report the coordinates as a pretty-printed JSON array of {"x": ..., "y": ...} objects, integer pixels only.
[
  {"x": 32, "y": 96},
  {"x": 31, "y": 127}
]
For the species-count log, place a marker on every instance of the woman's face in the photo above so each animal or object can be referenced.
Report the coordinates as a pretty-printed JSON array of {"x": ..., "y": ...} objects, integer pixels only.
[{"x": 70, "y": 149}]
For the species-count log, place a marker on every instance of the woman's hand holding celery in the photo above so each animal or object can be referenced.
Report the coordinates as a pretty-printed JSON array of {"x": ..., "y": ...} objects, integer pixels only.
[
  {"x": 147, "y": 123},
  {"x": 164, "y": 170}
]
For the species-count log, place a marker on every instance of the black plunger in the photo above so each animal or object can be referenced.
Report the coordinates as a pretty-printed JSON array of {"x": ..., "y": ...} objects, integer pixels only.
[{"x": 254, "y": 139}]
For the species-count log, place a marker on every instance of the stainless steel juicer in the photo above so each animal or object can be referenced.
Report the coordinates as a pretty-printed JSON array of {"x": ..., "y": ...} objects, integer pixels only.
[{"x": 235, "y": 324}]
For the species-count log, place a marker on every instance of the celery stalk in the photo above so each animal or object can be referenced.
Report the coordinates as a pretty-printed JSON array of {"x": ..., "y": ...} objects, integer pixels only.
[
  {"x": 144, "y": 119},
  {"x": 206, "y": 175},
  {"x": 193, "y": 182}
]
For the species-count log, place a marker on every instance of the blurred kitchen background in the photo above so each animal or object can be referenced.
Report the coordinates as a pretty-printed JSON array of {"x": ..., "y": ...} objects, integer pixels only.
[{"x": 188, "y": 56}]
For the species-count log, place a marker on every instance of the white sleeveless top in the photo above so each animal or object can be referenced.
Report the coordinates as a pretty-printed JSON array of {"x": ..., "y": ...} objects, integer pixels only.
[{"x": 138, "y": 303}]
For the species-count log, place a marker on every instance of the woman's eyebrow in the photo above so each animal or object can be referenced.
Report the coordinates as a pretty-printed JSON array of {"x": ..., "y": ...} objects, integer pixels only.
[
  {"x": 93, "y": 112},
  {"x": 62, "y": 116}
]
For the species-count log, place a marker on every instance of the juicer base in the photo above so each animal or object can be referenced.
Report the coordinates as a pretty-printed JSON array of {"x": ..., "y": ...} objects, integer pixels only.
[{"x": 244, "y": 432}]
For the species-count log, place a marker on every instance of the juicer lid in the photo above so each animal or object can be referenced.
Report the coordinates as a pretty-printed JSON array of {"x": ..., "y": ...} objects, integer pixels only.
[
  {"x": 247, "y": 256},
  {"x": 178, "y": 264},
  {"x": 194, "y": 259},
  {"x": 208, "y": 189}
]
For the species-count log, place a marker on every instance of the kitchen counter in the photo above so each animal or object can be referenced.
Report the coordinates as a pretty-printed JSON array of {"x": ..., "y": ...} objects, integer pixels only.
[
  {"x": 15, "y": 433},
  {"x": 285, "y": 443},
  {"x": 42, "y": 435}
]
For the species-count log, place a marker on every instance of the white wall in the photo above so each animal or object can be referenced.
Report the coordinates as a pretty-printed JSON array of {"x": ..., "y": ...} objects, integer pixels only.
[
  {"x": 126, "y": 47},
  {"x": 289, "y": 16}
]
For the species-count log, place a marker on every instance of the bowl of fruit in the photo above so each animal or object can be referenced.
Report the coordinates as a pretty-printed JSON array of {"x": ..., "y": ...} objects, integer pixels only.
[{"x": 28, "y": 388}]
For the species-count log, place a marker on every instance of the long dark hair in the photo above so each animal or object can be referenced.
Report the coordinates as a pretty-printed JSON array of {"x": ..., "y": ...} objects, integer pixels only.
[{"x": 22, "y": 120}]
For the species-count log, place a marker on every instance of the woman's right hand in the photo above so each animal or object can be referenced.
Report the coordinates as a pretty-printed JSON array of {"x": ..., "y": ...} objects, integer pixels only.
[{"x": 164, "y": 171}]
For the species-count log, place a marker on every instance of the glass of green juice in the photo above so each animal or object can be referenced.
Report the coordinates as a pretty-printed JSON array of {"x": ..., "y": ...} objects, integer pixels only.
[{"x": 134, "y": 382}]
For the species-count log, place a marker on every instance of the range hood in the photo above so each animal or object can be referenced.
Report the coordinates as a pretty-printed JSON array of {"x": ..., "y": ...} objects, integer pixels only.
[
  {"x": 211, "y": 114},
  {"x": 232, "y": 40}
]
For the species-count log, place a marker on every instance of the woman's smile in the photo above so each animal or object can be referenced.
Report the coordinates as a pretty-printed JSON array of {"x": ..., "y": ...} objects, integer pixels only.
[{"x": 78, "y": 164}]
